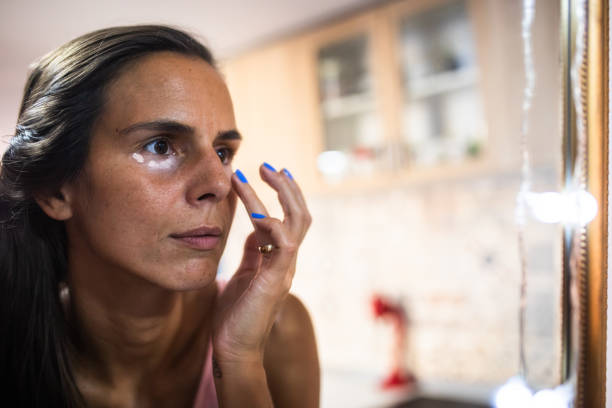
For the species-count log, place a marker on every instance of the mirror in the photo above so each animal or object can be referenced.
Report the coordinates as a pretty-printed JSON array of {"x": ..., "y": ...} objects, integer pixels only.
[
  {"x": 405, "y": 125},
  {"x": 437, "y": 266}
]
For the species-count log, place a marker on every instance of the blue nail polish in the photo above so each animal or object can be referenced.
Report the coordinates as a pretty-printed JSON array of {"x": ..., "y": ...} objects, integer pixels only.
[
  {"x": 288, "y": 173},
  {"x": 269, "y": 166},
  {"x": 241, "y": 176},
  {"x": 257, "y": 215}
]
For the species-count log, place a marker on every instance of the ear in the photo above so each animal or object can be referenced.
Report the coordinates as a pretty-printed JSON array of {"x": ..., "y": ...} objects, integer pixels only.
[{"x": 57, "y": 205}]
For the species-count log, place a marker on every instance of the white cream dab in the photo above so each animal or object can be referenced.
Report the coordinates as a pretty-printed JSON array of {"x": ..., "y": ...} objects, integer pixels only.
[
  {"x": 168, "y": 163},
  {"x": 138, "y": 157}
]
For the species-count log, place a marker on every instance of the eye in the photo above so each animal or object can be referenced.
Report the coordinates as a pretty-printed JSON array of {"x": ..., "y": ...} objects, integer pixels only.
[
  {"x": 158, "y": 146},
  {"x": 225, "y": 154}
]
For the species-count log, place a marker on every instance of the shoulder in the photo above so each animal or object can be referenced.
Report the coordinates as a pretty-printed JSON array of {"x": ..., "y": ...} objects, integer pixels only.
[
  {"x": 293, "y": 321},
  {"x": 290, "y": 359}
]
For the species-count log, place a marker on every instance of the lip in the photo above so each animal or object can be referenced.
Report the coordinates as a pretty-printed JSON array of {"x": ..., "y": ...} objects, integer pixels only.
[{"x": 203, "y": 238}]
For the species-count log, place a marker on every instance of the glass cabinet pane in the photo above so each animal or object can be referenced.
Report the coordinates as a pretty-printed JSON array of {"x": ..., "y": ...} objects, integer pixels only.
[
  {"x": 353, "y": 138},
  {"x": 442, "y": 117}
]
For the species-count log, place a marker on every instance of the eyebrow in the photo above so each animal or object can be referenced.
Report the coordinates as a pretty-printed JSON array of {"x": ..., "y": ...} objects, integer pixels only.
[
  {"x": 229, "y": 135},
  {"x": 158, "y": 125},
  {"x": 172, "y": 126}
]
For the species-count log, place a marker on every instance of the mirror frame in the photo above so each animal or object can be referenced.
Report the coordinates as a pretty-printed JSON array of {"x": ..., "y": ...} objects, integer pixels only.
[{"x": 592, "y": 259}]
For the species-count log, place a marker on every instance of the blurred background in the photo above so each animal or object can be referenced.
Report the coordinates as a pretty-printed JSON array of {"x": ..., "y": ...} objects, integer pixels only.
[{"x": 401, "y": 121}]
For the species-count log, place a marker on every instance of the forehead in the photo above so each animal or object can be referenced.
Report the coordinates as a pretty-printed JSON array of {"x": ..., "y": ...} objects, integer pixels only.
[{"x": 169, "y": 86}]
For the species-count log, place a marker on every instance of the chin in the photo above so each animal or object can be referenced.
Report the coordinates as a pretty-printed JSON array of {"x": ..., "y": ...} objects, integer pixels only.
[{"x": 193, "y": 276}]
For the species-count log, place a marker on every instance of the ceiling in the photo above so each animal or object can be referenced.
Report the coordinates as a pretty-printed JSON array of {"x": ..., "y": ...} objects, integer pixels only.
[{"x": 30, "y": 28}]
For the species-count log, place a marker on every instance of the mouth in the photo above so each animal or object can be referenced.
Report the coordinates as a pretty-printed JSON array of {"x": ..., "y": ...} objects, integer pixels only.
[{"x": 203, "y": 238}]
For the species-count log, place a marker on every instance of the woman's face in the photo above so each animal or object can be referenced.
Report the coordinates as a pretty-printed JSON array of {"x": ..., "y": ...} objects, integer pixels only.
[{"x": 155, "y": 198}]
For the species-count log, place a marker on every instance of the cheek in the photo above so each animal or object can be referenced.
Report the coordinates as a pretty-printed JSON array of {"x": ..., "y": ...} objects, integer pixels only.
[
  {"x": 131, "y": 200},
  {"x": 124, "y": 218},
  {"x": 232, "y": 200},
  {"x": 125, "y": 215}
]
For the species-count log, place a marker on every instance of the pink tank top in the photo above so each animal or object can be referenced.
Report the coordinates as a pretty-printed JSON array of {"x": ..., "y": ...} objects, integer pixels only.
[{"x": 206, "y": 396}]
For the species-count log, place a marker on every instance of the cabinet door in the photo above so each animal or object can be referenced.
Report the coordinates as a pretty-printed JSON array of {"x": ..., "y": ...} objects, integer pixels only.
[
  {"x": 352, "y": 132},
  {"x": 442, "y": 116}
]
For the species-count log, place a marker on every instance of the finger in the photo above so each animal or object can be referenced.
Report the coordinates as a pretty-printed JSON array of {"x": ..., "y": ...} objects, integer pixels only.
[
  {"x": 292, "y": 207},
  {"x": 279, "y": 237},
  {"x": 295, "y": 187},
  {"x": 277, "y": 266},
  {"x": 250, "y": 258},
  {"x": 258, "y": 214},
  {"x": 299, "y": 196},
  {"x": 249, "y": 198}
]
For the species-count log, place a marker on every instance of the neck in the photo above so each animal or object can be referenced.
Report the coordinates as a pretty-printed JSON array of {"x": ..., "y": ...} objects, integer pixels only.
[{"x": 129, "y": 328}]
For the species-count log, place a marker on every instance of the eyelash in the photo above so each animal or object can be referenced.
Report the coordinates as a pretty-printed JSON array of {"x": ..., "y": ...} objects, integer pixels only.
[{"x": 229, "y": 151}]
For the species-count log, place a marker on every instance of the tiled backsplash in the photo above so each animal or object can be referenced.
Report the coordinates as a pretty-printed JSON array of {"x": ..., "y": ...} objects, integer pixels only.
[{"x": 449, "y": 252}]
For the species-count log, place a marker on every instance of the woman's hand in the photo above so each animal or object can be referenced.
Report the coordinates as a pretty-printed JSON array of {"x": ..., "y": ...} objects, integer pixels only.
[{"x": 247, "y": 308}]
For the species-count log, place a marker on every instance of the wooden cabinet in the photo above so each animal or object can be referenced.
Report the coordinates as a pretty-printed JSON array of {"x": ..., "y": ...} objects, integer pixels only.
[{"x": 408, "y": 91}]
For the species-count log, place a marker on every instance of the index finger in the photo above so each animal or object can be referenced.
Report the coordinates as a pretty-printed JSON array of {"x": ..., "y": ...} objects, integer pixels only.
[{"x": 252, "y": 203}]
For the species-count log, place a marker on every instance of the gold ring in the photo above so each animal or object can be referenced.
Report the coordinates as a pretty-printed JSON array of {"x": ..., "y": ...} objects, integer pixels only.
[{"x": 265, "y": 249}]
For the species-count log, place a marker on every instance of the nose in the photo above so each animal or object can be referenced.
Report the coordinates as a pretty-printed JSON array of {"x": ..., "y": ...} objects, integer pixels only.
[{"x": 211, "y": 181}]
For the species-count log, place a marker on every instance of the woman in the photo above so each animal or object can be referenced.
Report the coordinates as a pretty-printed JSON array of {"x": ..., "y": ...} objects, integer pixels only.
[{"x": 117, "y": 191}]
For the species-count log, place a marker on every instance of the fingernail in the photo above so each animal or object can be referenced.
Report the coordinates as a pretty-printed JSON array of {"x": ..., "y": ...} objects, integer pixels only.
[
  {"x": 288, "y": 173},
  {"x": 257, "y": 215},
  {"x": 241, "y": 176},
  {"x": 269, "y": 166}
]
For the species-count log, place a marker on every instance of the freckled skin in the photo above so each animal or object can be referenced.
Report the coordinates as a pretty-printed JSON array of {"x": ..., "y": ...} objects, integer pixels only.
[{"x": 123, "y": 211}]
